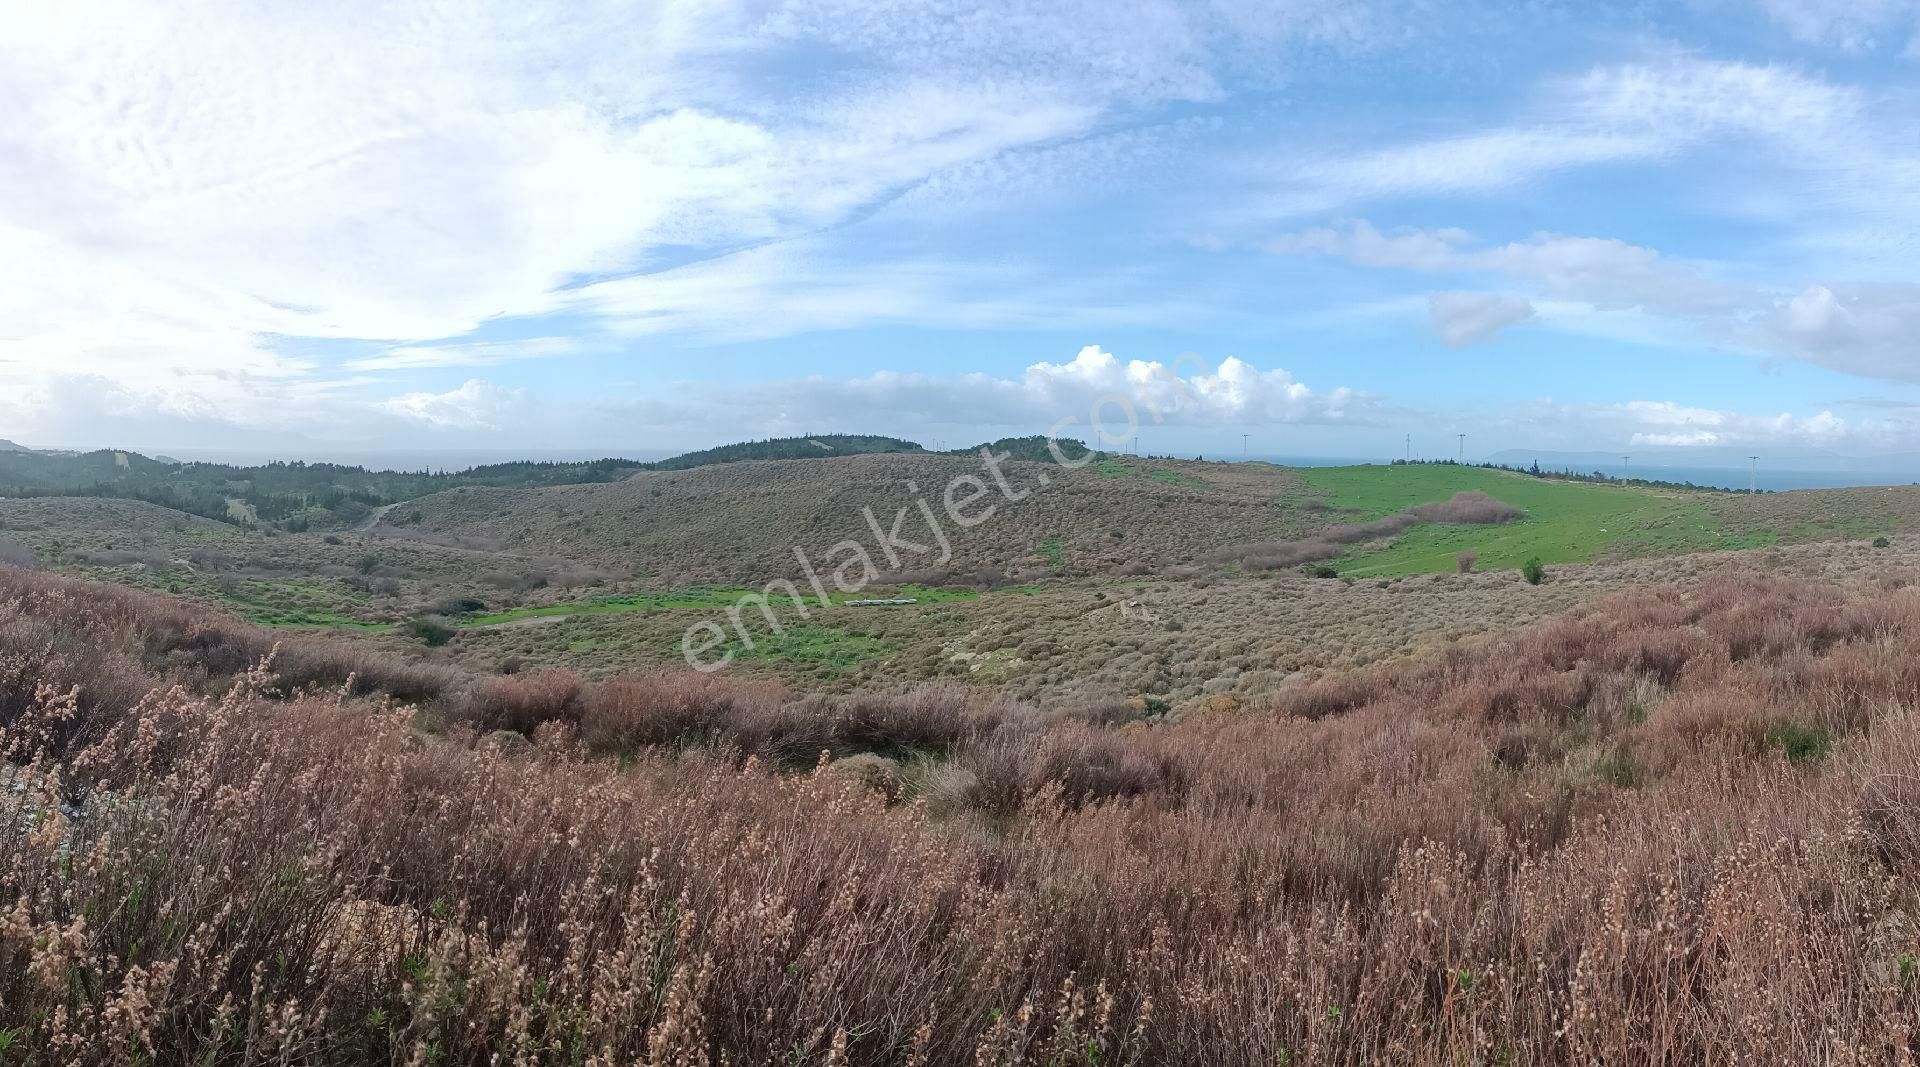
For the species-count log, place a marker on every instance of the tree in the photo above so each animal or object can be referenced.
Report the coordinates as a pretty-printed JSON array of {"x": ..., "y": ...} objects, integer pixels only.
[{"x": 1533, "y": 571}]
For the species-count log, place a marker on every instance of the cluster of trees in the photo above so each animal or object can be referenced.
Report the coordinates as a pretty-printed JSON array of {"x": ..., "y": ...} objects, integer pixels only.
[{"x": 812, "y": 446}]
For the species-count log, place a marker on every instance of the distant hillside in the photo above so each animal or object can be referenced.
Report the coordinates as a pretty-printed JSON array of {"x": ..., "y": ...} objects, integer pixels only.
[
  {"x": 1035, "y": 449},
  {"x": 293, "y": 496},
  {"x": 743, "y": 521},
  {"x": 298, "y": 496},
  {"x": 811, "y": 447}
]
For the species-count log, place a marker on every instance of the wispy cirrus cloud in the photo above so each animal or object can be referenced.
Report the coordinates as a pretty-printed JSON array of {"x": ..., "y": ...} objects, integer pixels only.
[
  {"x": 1868, "y": 330},
  {"x": 468, "y": 354},
  {"x": 191, "y": 185}
]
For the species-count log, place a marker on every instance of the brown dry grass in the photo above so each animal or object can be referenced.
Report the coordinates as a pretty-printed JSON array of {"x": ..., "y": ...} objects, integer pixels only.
[
  {"x": 742, "y": 521},
  {"x": 1679, "y": 827}
]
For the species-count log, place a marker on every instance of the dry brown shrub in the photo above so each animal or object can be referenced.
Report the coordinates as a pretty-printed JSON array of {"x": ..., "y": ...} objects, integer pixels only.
[
  {"x": 1471, "y": 508},
  {"x": 1487, "y": 855}
]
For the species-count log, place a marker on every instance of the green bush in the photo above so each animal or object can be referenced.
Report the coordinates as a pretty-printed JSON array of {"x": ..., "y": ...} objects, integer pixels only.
[
  {"x": 1881, "y": 542},
  {"x": 432, "y": 630},
  {"x": 1800, "y": 743},
  {"x": 1323, "y": 570},
  {"x": 1533, "y": 571}
]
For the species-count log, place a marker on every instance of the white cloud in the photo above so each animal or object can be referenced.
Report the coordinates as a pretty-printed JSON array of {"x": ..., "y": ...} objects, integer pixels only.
[
  {"x": 1868, "y": 330},
  {"x": 467, "y": 354},
  {"x": 475, "y": 405},
  {"x": 1473, "y": 318},
  {"x": 1854, "y": 26},
  {"x": 1086, "y": 396},
  {"x": 1666, "y": 424},
  {"x": 182, "y": 187},
  {"x": 807, "y": 285},
  {"x": 1626, "y": 113},
  {"x": 1602, "y": 272}
]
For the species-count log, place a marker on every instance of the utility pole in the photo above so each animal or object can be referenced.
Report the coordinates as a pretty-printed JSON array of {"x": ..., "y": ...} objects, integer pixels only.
[
  {"x": 1752, "y": 467},
  {"x": 1409, "y": 448},
  {"x": 1626, "y": 472},
  {"x": 1462, "y": 458},
  {"x": 1136, "y": 446}
]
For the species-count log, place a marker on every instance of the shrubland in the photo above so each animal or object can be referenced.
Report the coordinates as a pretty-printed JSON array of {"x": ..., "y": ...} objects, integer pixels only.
[
  {"x": 1679, "y": 825},
  {"x": 744, "y": 522}
]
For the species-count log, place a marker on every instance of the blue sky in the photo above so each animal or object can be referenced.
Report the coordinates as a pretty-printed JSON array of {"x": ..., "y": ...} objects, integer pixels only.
[{"x": 295, "y": 227}]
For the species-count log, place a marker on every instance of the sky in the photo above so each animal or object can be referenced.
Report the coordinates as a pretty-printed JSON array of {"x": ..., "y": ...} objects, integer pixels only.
[{"x": 501, "y": 224}]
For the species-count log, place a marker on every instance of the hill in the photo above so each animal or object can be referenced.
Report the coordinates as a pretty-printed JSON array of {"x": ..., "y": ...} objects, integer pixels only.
[
  {"x": 743, "y": 521},
  {"x": 293, "y": 496},
  {"x": 297, "y": 496},
  {"x": 809, "y": 447}
]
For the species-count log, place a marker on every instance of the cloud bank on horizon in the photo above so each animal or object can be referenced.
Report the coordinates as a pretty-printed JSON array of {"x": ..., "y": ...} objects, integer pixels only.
[{"x": 674, "y": 222}]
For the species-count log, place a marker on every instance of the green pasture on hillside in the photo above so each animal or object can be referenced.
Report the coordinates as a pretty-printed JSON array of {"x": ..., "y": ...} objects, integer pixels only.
[{"x": 1565, "y": 521}]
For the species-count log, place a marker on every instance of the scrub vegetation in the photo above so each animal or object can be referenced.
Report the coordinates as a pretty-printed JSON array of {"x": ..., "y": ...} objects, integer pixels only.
[{"x": 1676, "y": 825}]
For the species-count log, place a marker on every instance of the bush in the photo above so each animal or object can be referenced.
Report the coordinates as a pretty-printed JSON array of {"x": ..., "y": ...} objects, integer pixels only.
[
  {"x": 432, "y": 630},
  {"x": 457, "y": 605},
  {"x": 1323, "y": 570},
  {"x": 522, "y": 702},
  {"x": 1882, "y": 542},
  {"x": 1533, "y": 571},
  {"x": 1798, "y": 742},
  {"x": 1464, "y": 562},
  {"x": 15, "y": 554}
]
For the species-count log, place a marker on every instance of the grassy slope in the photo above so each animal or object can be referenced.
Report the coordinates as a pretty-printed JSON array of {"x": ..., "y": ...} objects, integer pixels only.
[
  {"x": 705, "y": 598},
  {"x": 1566, "y": 522}
]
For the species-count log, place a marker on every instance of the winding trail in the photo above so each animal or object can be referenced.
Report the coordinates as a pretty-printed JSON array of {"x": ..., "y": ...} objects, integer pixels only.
[{"x": 373, "y": 520}]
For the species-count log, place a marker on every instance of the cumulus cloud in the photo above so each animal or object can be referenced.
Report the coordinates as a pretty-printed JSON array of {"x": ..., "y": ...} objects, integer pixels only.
[
  {"x": 475, "y": 405},
  {"x": 1094, "y": 396},
  {"x": 1473, "y": 318},
  {"x": 1867, "y": 330}
]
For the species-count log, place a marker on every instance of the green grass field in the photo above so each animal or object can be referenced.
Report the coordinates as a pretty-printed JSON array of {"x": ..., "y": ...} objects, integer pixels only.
[
  {"x": 705, "y": 598},
  {"x": 1565, "y": 522}
]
